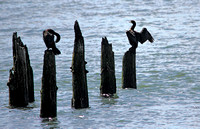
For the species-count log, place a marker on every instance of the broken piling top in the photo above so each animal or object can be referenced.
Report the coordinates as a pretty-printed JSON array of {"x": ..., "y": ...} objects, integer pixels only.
[
  {"x": 79, "y": 41},
  {"x": 79, "y": 78},
  {"x": 21, "y": 87},
  {"x": 49, "y": 87},
  {"x": 30, "y": 77},
  {"x": 18, "y": 86},
  {"x": 108, "y": 80},
  {"x": 79, "y": 49},
  {"x": 77, "y": 30}
]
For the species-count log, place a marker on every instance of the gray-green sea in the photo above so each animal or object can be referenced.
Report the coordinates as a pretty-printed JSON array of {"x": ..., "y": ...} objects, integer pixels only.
[{"x": 168, "y": 94}]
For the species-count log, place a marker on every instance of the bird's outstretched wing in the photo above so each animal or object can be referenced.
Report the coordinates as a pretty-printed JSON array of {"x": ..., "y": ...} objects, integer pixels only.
[{"x": 144, "y": 36}]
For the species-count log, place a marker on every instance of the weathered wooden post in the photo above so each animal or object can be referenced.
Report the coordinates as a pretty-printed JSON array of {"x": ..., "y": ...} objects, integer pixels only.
[
  {"x": 108, "y": 80},
  {"x": 129, "y": 68},
  {"x": 30, "y": 78},
  {"x": 129, "y": 65},
  {"x": 49, "y": 88},
  {"x": 79, "y": 78},
  {"x": 21, "y": 87}
]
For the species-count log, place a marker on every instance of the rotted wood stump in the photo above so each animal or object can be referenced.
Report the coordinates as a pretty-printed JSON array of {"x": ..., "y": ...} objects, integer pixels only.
[
  {"x": 30, "y": 78},
  {"x": 79, "y": 78},
  {"x": 108, "y": 80},
  {"x": 129, "y": 65},
  {"x": 49, "y": 88},
  {"x": 21, "y": 86}
]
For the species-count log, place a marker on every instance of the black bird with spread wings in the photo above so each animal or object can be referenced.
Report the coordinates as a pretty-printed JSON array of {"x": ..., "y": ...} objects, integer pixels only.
[
  {"x": 48, "y": 37},
  {"x": 135, "y": 37}
]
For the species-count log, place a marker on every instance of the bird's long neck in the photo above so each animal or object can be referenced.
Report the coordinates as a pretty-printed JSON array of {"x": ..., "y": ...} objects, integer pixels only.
[{"x": 133, "y": 27}]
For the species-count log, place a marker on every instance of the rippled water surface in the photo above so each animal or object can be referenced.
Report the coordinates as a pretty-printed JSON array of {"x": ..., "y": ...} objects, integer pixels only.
[{"x": 168, "y": 94}]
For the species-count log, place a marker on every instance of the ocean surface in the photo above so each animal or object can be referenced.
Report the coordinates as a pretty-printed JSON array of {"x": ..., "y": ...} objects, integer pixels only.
[{"x": 168, "y": 70}]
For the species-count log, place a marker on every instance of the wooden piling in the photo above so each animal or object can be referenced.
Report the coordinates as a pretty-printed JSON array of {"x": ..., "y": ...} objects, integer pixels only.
[
  {"x": 108, "y": 80},
  {"x": 30, "y": 78},
  {"x": 129, "y": 65},
  {"x": 20, "y": 82},
  {"x": 49, "y": 88},
  {"x": 79, "y": 78}
]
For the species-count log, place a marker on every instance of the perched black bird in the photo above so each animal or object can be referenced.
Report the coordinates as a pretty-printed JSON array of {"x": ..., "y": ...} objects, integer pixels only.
[
  {"x": 142, "y": 36},
  {"x": 48, "y": 37}
]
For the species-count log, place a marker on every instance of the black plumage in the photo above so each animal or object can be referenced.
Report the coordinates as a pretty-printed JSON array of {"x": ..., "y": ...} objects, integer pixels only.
[
  {"x": 141, "y": 37},
  {"x": 48, "y": 37}
]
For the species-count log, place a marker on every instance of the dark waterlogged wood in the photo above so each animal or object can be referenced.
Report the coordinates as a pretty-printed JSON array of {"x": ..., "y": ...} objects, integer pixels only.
[
  {"x": 49, "y": 88},
  {"x": 30, "y": 78},
  {"x": 108, "y": 80},
  {"x": 79, "y": 78},
  {"x": 21, "y": 87},
  {"x": 129, "y": 65}
]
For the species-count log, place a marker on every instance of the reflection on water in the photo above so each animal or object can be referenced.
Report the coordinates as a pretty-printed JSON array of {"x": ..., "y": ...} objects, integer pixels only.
[
  {"x": 109, "y": 100},
  {"x": 50, "y": 123}
]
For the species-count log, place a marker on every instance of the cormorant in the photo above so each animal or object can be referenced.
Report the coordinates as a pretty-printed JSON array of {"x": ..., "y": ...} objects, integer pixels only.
[
  {"x": 48, "y": 37},
  {"x": 142, "y": 36}
]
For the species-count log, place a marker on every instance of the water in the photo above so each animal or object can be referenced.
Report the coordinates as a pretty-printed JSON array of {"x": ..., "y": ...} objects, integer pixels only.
[{"x": 167, "y": 70}]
